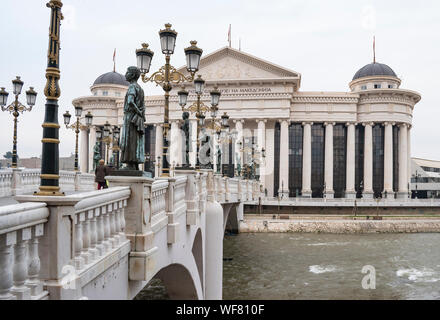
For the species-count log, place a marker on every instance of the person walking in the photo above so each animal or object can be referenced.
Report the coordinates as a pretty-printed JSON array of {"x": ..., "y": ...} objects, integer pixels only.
[{"x": 100, "y": 172}]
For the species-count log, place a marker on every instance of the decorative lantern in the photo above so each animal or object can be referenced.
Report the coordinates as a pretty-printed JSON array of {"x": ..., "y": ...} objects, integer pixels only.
[
  {"x": 193, "y": 54},
  {"x": 199, "y": 84},
  {"x": 144, "y": 57},
  {"x": 31, "y": 96},
  {"x": 66, "y": 118},
  {"x": 17, "y": 85},
  {"x": 167, "y": 39}
]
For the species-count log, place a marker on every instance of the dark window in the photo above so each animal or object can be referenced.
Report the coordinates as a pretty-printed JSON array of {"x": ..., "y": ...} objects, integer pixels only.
[
  {"x": 359, "y": 160},
  {"x": 377, "y": 86},
  {"x": 150, "y": 149},
  {"x": 276, "y": 164},
  {"x": 378, "y": 158},
  {"x": 395, "y": 158},
  {"x": 363, "y": 87},
  {"x": 295, "y": 159},
  {"x": 390, "y": 86},
  {"x": 339, "y": 159},
  {"x": 318, "y": 151}
]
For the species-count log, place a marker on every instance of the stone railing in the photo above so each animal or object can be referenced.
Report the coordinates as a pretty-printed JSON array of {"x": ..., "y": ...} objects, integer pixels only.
[
  {"x": 158, "y": 200},
  {"x": 99, "y": 224},
  {"x": 22, "y": 181},
  {"x": 21, "y": 226}
]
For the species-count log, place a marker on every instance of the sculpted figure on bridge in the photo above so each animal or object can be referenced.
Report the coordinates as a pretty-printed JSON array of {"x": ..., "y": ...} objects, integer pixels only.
[
  {"x": 185, "y": 129},
  {"x": 132, "y": 142}
]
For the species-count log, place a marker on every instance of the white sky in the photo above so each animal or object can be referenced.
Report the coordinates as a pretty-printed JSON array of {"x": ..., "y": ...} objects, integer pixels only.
[{"x": 326, "y": 41}]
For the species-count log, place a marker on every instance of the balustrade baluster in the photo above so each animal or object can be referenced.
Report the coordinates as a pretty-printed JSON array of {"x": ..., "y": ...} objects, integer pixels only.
[
  {"x": 34, "y": 265},
  {"x": 107, "y": 242},
  {"x": 6, "y": 265},
  {"x": 100, "y": 232},
  {"x": 93, "y": 235},
  {"x": 20, "y": 269},
  {"x": 78, "y": 260},
  {"x": 86, "y": 237}
]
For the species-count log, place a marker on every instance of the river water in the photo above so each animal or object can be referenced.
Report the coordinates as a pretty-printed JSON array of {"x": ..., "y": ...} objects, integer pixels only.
[{"x": 268, "y": 266}]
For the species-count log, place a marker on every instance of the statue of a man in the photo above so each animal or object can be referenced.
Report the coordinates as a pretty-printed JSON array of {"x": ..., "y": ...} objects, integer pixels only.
[
  {"x": 185, "y": 129},
  {"x": 132, "y": 142},
  {"x": 96, "y": 155}
]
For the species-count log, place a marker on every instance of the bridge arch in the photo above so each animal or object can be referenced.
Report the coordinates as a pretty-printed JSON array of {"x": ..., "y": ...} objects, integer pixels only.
[{"x": 178, "y": 282}]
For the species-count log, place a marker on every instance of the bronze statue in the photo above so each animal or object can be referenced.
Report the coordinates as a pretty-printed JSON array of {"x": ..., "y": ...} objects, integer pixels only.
[
  {"x": 219, "y": 158},
  {"x": 96, "y": 155},
  {"x": 132, "y": 142},
  {"x": 185, "y": 128}
]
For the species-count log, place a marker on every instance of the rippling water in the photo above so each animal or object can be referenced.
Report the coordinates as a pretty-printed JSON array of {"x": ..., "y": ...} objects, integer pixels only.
[{"x": 326, "y": 266}]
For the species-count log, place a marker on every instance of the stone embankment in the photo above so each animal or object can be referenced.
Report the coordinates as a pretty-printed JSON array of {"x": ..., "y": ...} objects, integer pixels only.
[{"x": 250, "y": 225}]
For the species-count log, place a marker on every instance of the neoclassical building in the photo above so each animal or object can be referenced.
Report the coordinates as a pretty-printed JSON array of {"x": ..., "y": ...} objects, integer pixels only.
[{"x": 317, "y": 144}]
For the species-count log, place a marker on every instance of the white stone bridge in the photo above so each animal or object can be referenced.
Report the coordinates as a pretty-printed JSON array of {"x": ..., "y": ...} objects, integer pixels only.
[{"x": 109, "y": 244}]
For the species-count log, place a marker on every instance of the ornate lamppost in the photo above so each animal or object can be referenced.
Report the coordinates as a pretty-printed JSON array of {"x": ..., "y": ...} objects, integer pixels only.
[
  {"x": 15, "y": 108},
  {"x": 49, "y": 185},
  {"x": 107, "y": 139},
  {"x": 115, "y": 148},
  {"x": 77, "y": 126},
  {"x": 167, "y": 75},
  {"x": 200, "y": 109}
]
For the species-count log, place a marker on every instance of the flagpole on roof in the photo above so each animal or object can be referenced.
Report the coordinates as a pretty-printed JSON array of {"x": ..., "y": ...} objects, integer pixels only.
[
  {"x": 374, "y": 49},
  {"x": 229, "y": 35},
  {"x": 114, "y": 62}
]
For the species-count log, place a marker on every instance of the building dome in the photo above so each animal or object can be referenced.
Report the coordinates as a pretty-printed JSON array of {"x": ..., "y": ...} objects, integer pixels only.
[
  {"x": 111, "y": 78},
  {"x": 374, "y": 69}
]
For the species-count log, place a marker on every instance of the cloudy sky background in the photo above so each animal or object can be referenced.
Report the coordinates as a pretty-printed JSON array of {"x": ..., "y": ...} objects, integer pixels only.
[{"x": 326, "y": 41}]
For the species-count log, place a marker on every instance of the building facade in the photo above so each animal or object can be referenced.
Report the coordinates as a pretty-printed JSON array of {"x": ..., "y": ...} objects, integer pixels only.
[{"x": 316, "y": 144}]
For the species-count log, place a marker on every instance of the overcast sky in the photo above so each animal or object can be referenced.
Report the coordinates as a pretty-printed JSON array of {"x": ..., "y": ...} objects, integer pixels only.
[{"x": 326, "y": 41}]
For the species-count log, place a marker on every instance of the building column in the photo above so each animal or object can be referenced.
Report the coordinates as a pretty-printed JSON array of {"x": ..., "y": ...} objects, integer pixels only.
[
  {"x": 368, "y": 162},
  {"x": 239, "y": 129},
  {"x": 284, "y": 160},
  {"x": 261, "y": 137},
  {"x": 307, "y": 160},
  {"x": 174, "y": 141},
  {"x": 388, "y": 161},
  {"x": 270, "y": 158},
  {"x": 92, "y": 142},
  {"x": 328, "y": 163},
  {"x": 83, "y": 151},
  {"x": 403, "y": 161},
  {"x": 193, "y": 142},
  {"x": 409, "y": 158},
  {"x": 350, "y": 191},
  {"x": 158, "y": 151}
]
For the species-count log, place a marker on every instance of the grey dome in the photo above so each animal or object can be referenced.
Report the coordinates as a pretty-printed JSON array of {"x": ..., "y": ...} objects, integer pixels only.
[
  {"x": 374, "y": 69},
  {"x": 111, "y": 78}
]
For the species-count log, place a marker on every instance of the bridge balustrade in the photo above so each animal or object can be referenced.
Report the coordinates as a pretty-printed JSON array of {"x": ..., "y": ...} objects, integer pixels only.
[{"x": 21, "y": 226}]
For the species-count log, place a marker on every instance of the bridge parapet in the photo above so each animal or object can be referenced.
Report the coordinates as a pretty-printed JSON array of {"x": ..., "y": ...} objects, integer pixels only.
[{"x": 21, "y": 227}]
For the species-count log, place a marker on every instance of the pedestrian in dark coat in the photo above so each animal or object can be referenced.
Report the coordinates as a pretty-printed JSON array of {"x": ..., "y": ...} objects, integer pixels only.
[{"x": 100, "y": 172}]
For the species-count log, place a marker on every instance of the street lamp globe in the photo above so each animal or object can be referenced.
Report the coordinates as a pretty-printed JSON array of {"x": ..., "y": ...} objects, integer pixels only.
[
  {"x": 17, "y": 85},
  {"x": 3, "y": 97},
  {"x": 199, "y": 84},
  {"x": 144, "y": 57},
  {"x": 66, "y": 117},
  {"x": 89, "y": 119},
  {"x": 107, "y": 127},
  {"x": 183, "y": 97},
  {"x": 214, "y": 111},
  {"x": 98, "y": 134},
  {"x": 193, "y": 54},
  {"x": 31, "y": 96},
  {"x": 167, "y": 39},
  {"x": 215, "y": 97},
  {"x": 78, "y": 111},
  {"x": 201, "y": 118},
  {"x": 116, "y": 133},
  {"x": 225, "y": 120}
]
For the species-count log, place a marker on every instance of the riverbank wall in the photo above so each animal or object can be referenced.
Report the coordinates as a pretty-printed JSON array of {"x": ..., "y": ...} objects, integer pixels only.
[{"x": 250, "y": 225}]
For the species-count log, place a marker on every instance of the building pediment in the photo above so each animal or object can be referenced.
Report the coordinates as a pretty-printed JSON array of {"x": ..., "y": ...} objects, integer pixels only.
[{"x": 228, "y": 64}]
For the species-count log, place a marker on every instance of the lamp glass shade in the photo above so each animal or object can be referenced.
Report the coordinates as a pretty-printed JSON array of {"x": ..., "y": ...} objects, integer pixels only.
[
  {"x": 199, "y": 85},
  {"x": 89, "y": 119},
  {"x": 225, "y": 120},
  {"x": 116, "y": 135},
  {"x": 31, "y": 96},
  {"x": 66, "y": 117},
  {"x": 106, "y": 132},
  {"x": 144, "y": 57},
  {"x": 214, "y": 111},
  {"x": 201, "y": 120},
  {"x": 215, "y": 96},
  {"x": 183, "y": 97},
  {"x": 98, "y": 134},
  {"x": 193, "y": 54},
  {"x": 17, "y": 85},
  {"x": 78, "y": 111},
  {"x": 167, "y": 39},
  {"x": 3, "y": 97}
]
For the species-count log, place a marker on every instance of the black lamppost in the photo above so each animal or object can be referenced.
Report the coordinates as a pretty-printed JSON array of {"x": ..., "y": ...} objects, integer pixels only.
[
  {"x": 167, "y": 75},
  {"x": 49, "y": 185},
  {"x": 225, "y": 127},
  {"x": 115, "y": 148},
  {"x": 16, "y": 108},
  {"x": 77, "y": 126}
]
